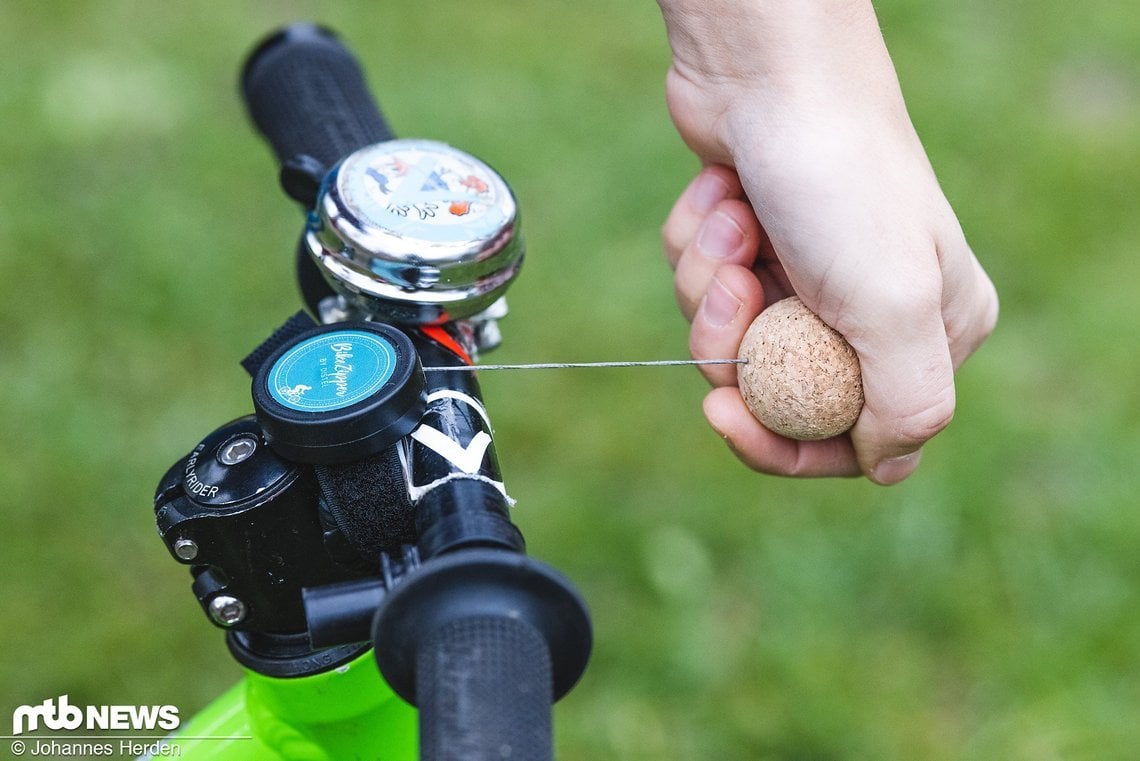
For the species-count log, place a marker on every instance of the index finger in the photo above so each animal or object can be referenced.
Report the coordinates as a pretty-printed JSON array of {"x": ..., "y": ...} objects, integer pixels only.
[{"x": 712, "y": 185}]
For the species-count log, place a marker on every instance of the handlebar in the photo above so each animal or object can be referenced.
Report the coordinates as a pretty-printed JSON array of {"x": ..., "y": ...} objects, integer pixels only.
[{"x": 307, "y": 95}]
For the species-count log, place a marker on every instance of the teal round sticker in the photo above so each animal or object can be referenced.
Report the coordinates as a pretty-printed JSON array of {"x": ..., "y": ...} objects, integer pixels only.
[{"x": 332, "y": 371}]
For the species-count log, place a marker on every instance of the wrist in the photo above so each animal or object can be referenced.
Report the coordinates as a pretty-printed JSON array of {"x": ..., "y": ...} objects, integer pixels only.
[
  {"x": 774, "y": 44},
  {"x": 744, "y": 68}
]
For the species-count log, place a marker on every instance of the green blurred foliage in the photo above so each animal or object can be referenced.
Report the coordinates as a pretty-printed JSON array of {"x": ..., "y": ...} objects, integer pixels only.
[{"x": 987, "y": 608}]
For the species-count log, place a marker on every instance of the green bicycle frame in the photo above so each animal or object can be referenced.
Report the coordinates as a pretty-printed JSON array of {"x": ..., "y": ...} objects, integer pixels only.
[{"x": 346, "y": 713}]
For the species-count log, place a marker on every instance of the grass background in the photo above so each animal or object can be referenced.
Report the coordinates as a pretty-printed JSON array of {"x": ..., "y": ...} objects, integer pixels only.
[{"x": 988, "y": 608}]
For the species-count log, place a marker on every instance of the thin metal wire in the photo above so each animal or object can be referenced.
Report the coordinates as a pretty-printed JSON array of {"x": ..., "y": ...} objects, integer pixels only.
[{"x": 564, "y": 365}]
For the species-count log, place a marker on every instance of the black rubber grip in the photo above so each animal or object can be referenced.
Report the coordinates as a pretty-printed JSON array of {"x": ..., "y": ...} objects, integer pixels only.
[
  {"x": 483, "y": 685},
  {"x": 306, "y": 93}
]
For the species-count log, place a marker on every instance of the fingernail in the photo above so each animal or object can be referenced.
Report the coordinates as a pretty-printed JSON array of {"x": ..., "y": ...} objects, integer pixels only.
[
  {"x": 720, "y": 307},
  {"x": 892, "y": 471},
  {"x": 720, "y": 236},
  {"x": 708, "y": 190}
]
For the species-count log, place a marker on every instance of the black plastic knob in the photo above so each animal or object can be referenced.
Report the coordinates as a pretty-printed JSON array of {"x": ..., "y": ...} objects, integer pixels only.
[{"x": 339, "y": 393}]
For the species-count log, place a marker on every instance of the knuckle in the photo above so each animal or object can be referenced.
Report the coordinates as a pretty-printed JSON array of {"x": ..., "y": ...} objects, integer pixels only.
[
  {"x": 891, "y": 303},
  {"x": 913, "y": 429},
  {"x": 669, "y": 231},
  {"x": 673, "y": 239},
  {"x": 966, "y": 331},
  {"x": 795, "y": 467},
  {"x": 915, "y": 298},
  {"x": 687, "y": 300},
  {"x": 989, "y": 312}
]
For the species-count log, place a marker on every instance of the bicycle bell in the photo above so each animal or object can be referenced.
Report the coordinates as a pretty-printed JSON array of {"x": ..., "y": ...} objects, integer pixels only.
[{"x": 415, "y": 232}]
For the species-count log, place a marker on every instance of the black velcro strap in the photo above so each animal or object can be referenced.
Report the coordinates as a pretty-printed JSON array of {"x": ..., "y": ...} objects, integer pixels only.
[
  {"x": 292, "y": 328},
  {"x": 368, "y": 502},
  {"x": 314, "y": 287}
]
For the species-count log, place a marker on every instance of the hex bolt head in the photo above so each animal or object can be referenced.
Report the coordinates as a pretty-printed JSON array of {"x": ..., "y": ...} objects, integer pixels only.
[
  {"x": 238, "y": 449},
  {"x": 186, "y": 549},
  {"x": 226, "y": 610}
]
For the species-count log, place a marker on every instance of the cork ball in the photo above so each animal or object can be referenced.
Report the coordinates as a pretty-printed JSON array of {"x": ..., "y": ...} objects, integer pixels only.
[{"x": 802, "y": 378}]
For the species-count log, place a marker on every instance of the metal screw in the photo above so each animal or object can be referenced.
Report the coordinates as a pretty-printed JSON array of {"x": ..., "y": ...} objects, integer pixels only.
[
  {"x": 226, "y": 610},
  {"x": 186, "y": 549},
  {"x": 238, "y": 449}
]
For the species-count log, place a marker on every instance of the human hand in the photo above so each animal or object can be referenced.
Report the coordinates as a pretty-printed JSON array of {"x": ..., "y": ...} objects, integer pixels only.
[{"x": 816, "y": 184}]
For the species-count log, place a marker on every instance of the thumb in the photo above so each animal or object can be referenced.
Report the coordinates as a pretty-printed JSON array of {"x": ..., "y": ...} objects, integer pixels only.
[{"x": 908, "y": 388}]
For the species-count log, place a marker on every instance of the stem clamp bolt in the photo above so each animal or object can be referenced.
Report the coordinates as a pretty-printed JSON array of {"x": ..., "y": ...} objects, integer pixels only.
[
  {"x": 186, "y": 549},
  {"x": 226, "y": 610}
]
